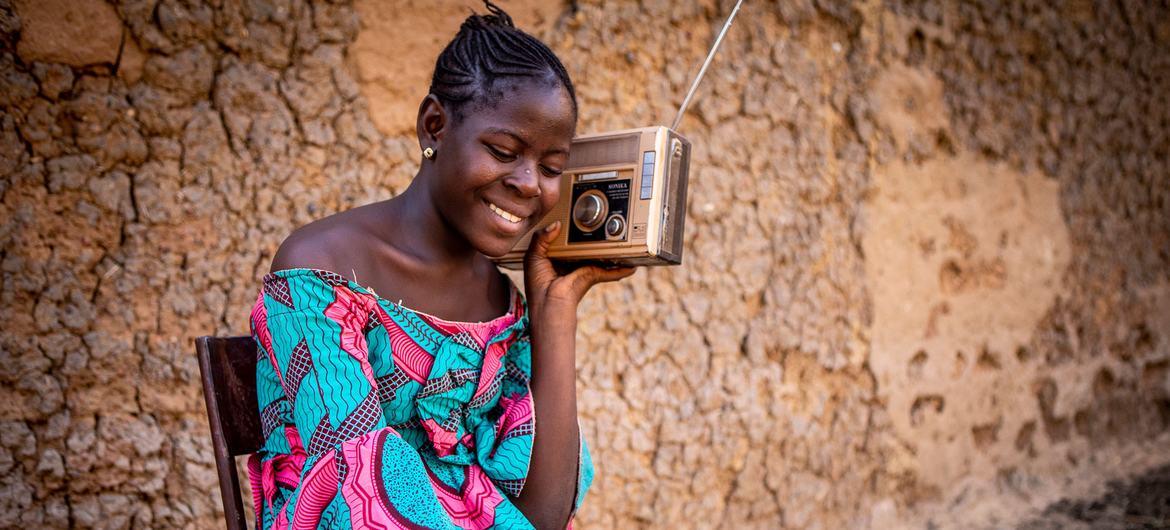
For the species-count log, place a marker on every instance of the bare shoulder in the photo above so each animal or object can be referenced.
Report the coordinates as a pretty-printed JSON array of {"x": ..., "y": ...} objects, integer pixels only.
[{"x": 317, "y": 245}]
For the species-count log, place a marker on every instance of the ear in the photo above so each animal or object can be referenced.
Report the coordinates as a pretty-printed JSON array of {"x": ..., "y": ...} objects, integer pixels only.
[{"x": 433, "y": 121}]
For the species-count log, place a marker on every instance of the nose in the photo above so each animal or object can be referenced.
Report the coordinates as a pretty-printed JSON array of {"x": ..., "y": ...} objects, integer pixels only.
[{"x": 525, "y": 180}]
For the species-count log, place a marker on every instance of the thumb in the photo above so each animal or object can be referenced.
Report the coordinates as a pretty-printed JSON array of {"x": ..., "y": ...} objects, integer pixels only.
[
  {"x": 537, "y": 266},
  {"x": 541, "y": 240}
]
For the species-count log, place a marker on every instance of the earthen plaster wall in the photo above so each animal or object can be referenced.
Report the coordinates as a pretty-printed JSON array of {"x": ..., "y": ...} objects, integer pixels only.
[{"x": 927, "y": 269}]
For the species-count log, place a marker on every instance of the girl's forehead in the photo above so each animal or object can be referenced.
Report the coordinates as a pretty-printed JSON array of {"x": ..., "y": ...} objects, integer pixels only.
[{"x": 535, "y": 109}]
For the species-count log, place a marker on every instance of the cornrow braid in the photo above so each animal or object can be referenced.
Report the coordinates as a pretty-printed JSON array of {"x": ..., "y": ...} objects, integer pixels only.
[{"x": 487, "y": 50}]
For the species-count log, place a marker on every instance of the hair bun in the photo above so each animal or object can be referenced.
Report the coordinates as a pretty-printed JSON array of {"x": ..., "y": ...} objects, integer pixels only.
[{"x": 497, "y": 16}]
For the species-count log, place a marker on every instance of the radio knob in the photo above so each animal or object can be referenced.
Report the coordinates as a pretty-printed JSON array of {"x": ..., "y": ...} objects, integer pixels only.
[
  {"x": 588, "y": 211},
  {"x": 615, "y": 226}
]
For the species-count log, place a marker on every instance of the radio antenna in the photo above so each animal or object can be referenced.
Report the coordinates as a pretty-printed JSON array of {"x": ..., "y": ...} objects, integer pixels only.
[{"x": 710, "y": 55}]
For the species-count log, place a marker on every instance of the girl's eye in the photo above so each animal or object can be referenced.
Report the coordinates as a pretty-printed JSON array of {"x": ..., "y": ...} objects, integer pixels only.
[
  {"x": 501, "y": 155},
  {"x": 551, "y": 172}
]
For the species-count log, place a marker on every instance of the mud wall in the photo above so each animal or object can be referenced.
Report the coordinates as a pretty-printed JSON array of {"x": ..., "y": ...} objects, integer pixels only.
[{"x": 927, "y": 251}]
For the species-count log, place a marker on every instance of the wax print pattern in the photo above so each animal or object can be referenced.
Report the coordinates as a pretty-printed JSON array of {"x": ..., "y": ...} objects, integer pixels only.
[{"x": 377, "y": 416}]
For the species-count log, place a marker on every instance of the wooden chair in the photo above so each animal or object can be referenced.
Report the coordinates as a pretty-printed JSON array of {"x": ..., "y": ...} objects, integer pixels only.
[{"x": 228, "y": 369}]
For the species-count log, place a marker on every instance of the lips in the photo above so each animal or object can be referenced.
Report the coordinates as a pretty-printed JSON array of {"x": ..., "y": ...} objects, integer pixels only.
[{"x": 505, "y": 214}]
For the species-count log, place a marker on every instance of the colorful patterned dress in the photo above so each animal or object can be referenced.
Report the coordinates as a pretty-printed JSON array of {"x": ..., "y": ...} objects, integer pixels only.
[{"x": 378, "y": 416}]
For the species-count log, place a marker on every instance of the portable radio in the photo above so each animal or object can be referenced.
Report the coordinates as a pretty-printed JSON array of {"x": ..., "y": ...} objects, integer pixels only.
[
  {"x": 623, "y": 200},
  {"x": 623, "y": 194}
]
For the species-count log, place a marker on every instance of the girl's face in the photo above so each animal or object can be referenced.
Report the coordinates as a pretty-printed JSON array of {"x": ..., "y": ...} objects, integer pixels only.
[{"x": 499, "y": 168}]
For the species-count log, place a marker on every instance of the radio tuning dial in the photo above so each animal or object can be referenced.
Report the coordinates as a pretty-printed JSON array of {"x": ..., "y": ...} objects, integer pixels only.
[{"x": 589, "y": 211}]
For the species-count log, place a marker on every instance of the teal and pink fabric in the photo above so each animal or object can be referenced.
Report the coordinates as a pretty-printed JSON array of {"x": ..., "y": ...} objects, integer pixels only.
[{"x": 378, "y": 416}]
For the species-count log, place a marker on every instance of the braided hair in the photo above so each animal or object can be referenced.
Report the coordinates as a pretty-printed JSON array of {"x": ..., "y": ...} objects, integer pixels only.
[{"x": 488, "y": 50}]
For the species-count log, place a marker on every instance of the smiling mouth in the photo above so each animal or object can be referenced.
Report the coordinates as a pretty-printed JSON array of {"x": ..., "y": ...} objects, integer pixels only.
[{"x": 506, "y": 215}]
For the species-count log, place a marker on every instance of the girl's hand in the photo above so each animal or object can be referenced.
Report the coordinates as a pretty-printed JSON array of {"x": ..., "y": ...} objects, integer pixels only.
[{"x": 551, "y": 291}]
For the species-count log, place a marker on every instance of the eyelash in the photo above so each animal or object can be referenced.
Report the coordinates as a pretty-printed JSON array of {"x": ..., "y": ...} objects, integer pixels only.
[
  {"x": 499, "y": 154},
  {"x": 508, "y": 157}
]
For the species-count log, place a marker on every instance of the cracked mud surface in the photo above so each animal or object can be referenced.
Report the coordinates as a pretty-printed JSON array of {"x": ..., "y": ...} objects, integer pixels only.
[{"x": 927, "y": 272}]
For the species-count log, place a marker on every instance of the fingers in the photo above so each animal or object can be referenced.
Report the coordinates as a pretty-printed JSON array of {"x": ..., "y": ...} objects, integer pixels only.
[
  {"x": 584, "y": 278},
  {"x": 612, "y": 275},
  {"x": 540, "y": 272}
]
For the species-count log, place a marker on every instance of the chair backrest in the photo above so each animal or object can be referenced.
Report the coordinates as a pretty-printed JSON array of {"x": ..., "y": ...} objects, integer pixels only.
[{"x": 228, "y": 369}]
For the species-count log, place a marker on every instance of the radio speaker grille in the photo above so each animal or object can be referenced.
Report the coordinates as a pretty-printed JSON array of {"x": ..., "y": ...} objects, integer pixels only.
[{"x": 604, "y": 151}]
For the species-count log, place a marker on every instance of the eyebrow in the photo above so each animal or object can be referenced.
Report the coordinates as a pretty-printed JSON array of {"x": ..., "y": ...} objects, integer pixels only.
[{"x": 518, "y": 138}]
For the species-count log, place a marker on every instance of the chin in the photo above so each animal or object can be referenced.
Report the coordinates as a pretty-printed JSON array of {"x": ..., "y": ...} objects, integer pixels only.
[
  {"x": 494, "y": 247},
  {"x": 494, "y": 243},
  {"x": 494, "y": 252}
]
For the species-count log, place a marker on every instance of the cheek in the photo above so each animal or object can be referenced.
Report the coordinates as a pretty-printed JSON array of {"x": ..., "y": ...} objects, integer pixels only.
[{"x": 550, "y": 193}]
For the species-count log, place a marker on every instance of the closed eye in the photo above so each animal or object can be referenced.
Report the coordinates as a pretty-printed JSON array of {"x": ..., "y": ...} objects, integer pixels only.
[
  {"x": 499, "y": 154},
  {"x": 551, "y": 172}
]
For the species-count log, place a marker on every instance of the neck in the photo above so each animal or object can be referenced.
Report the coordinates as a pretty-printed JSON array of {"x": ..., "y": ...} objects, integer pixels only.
[{"x": 421, "y": 233}]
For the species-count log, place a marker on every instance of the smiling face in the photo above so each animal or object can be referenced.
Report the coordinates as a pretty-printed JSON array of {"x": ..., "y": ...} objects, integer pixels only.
[{"x": 497, "y": 169}]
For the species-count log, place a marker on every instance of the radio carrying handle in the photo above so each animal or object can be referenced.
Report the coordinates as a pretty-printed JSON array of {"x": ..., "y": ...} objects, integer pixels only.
[{"x": 703, "y": 70}]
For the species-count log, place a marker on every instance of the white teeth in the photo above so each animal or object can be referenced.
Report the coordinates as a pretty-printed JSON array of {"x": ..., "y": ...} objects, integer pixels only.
[{"x": 502, "y": 213}]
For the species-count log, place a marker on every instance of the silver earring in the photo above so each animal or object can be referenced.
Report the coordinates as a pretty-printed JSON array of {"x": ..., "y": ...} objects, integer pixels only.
[{"x": 428, "y": 153}]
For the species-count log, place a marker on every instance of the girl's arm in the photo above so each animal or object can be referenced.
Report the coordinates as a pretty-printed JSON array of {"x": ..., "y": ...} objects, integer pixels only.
[{"x": 547, "y": 497}]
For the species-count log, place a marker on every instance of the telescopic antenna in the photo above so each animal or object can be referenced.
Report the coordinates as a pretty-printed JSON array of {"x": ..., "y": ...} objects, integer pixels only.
[{"x": 710, "y": 55}]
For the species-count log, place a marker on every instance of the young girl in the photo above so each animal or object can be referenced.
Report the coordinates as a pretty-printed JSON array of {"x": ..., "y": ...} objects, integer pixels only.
[{"x": 430, "y": 394}]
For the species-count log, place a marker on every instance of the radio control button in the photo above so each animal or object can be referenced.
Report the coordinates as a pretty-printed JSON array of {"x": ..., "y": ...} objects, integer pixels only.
[
  {"x": 588, "y": 211},
  {"x": 615, "y": 226}
]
